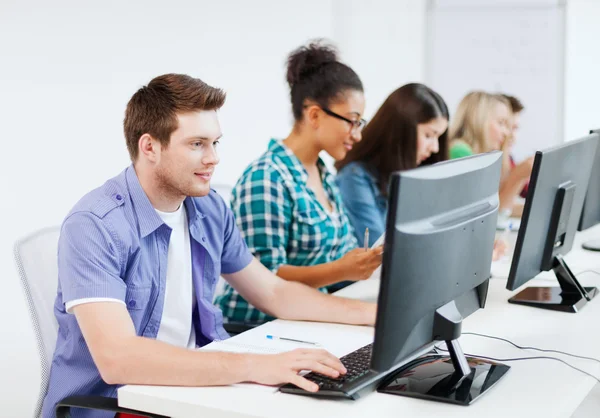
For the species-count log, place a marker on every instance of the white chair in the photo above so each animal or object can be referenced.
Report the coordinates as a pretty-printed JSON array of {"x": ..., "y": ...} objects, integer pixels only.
[{"x": 36, "y": 258}]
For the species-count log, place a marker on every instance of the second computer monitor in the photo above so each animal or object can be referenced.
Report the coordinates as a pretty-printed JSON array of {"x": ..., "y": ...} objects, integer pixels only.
[
  {"x": 558, "y": 185},
  {"x": 440, "y": 233},
  {"x": 590, "y": 215}
]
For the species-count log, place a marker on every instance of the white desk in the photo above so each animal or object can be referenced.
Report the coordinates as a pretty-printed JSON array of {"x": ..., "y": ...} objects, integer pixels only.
[{"x": 533, "y": 388}]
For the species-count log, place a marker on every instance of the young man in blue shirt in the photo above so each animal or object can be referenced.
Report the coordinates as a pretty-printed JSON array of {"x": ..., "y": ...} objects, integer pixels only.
[{"x": 140, "y": 256}]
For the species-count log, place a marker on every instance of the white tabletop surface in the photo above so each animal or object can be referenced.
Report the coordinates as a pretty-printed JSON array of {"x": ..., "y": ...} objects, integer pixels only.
[{"x": 533, "y": 388}]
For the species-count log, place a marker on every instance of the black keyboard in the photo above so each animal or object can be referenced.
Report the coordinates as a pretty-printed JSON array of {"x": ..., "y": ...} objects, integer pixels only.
[{"x": 359, "y": 377}]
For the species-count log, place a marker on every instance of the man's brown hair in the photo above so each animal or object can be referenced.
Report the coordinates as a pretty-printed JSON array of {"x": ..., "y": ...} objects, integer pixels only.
[
  {"x": 153, "y": 109},
  {"x": 515, "y": 104}
]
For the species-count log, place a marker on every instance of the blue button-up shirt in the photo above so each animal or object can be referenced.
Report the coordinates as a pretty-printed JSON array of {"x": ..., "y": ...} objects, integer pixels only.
[
  {"x": 113, "y": 244},
  {"x": 365, "y": 204}
]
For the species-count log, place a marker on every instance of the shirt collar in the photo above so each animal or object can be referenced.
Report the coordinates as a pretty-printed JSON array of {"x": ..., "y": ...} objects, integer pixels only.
[
  {"x": 148, "y": 219},
  {"x": 193, "y": 212},
  {"x": 279, "y": 149}
]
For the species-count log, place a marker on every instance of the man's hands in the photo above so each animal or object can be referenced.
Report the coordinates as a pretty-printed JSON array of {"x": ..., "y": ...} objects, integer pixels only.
[{"x": 284, "y": 368}]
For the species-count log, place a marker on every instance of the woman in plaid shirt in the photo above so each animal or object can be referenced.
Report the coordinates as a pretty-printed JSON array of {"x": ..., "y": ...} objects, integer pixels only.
[{"x": 286, "y": 203}]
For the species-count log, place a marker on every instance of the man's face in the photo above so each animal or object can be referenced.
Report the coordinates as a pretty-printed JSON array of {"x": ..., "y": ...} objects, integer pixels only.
[
  {"x": 516, "y": 123},
  {"x": 186, "y": 166}
]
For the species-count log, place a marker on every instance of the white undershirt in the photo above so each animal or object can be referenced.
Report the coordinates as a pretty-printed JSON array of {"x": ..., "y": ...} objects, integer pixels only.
[{"x": 176, "y": 325}]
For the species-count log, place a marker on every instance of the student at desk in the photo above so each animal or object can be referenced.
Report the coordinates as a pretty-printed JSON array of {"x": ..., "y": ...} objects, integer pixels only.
[
  {"x": 409, "y": 129},
  {"x": 483, "y": 123},
  {"x": 508, "y": 162},
  {"x": 139, "y": 258},
  {"x": 286, "y": 203}
]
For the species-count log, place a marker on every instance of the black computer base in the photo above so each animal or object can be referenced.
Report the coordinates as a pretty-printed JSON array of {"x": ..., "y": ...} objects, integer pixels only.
[
  {"x": 435, "y": 378},
  {"x": 553, "y": 298},
  {"x": 593, "y": 245},
  {"x": 571, "y": 296}
]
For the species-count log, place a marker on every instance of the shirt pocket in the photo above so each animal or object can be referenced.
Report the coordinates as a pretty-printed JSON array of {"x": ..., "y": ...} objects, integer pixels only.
[
  {"x": 137, "y": 301},
  {"x": 314, "y": 228}
]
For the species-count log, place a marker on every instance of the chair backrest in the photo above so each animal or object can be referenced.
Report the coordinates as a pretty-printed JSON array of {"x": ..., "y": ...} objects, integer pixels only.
[{"x": 36, "y": 258}]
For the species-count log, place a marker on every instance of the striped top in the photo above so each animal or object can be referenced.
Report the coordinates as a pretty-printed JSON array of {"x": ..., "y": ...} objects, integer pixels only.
[{"x": 283, "y": 222}]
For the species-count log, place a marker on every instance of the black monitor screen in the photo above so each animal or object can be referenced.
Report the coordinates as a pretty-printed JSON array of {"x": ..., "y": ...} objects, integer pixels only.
[
  {"x": 558, "y": 185},
  {"x": 440, "y": 233}
]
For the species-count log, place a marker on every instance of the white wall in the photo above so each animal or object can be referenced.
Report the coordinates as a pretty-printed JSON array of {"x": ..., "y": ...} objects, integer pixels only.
[
  {"x": 384, "y": 41},
  {"x": 507, "y": 46},
  {"x": 67, "y": 70},
  {"x": 582, "y": 82}
]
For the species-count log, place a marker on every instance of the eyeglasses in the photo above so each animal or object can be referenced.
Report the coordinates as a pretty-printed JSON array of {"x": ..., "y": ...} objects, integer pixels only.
[{"x": 356, "y": 125}]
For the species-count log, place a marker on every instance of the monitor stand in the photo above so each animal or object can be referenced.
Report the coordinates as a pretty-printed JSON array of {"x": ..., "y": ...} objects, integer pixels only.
[
  {"x": 455, "y": 379},
  {"x": 593, "y": 245},
  {"x": 571, "y": 296}
]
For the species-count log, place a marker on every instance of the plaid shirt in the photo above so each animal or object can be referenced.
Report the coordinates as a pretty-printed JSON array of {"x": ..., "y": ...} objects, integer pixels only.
[{"x": 283, "y": 222}]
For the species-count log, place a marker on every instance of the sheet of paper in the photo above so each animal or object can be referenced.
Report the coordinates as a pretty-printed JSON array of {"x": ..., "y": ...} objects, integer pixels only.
[
  {"x": 377, "y": 272},
  {"x": 379, "y": 241},
  {"x": 335, "y": 338},
  {"x": 231, "y": 346}
]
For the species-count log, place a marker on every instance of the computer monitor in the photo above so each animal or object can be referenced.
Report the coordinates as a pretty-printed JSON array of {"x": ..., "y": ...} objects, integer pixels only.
[
  {"x": 590, "y": 215},
  {"x": 440, "y": 232},
  {"x": 559, "y": 181}
]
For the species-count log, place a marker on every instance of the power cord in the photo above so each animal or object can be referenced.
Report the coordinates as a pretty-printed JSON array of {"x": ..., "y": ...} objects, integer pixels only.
[
  {"x": 531, "y": 348},
  {"x": 529, "y": 358},
  {"x": 506, "y": 360}
]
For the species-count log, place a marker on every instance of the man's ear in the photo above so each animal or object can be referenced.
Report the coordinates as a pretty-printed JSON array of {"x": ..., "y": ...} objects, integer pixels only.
[{"x": 149, "y": 148}]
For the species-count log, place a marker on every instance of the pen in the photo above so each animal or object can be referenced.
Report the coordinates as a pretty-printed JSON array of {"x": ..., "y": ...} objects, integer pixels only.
[
  {"x": 273, "y": 337},
  {"x": 366, "y": 239}
]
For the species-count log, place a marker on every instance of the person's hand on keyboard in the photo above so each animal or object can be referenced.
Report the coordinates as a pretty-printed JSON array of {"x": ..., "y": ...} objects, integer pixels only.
[{"x": 284, "y": 368}]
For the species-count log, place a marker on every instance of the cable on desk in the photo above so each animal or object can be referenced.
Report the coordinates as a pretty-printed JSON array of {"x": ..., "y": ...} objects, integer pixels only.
[
  {"x": 531, "y": 348},
  {"x": 506, "y": 360}
]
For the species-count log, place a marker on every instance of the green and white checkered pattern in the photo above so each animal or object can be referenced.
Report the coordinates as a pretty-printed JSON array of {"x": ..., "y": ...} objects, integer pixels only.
[{"x": 283, "y": 223}]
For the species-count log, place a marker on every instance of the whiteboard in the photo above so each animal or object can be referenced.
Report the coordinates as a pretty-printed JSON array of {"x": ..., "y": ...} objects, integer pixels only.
[{"x": 511, "y": 47}]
